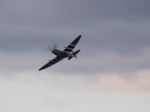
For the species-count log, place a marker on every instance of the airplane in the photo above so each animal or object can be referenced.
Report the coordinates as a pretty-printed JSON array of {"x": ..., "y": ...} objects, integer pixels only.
[{"x": 61, "y": 54}]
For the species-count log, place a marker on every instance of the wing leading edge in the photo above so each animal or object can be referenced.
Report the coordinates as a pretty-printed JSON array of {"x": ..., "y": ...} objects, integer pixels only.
[
  {"x": 51, "y": 62},
  {"x": 72, "y": 45}
]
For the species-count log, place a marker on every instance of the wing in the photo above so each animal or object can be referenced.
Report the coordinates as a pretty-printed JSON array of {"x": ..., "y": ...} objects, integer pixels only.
[
  {"x": 71, "y": 46},
  {"x": 51, "y": 62}
]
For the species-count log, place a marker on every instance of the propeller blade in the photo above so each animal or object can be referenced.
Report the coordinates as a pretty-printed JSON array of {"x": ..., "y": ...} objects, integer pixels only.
[
  {"x": 51, "y": 48},
  {"x": 55, "y": 46}
]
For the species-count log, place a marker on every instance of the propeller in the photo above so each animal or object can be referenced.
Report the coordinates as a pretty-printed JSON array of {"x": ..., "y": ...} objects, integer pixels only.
[{"x": 55, "y": 46}]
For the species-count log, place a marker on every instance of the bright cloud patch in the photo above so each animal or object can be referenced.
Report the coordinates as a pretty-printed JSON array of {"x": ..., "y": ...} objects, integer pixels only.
[
  {"x": 139, "y": 83},
  {"x": 34, "y": 92}
]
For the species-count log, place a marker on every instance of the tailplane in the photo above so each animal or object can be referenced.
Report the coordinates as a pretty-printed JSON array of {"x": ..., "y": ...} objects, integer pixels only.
[{"x": 74, "y": 54}]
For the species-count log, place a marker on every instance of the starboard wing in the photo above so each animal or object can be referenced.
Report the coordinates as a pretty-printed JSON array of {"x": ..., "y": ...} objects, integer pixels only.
[{"x": 72, "y": 45}]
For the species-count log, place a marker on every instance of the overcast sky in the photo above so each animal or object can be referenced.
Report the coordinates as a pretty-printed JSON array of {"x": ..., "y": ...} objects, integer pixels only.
[{"x": 114, "y": 61}]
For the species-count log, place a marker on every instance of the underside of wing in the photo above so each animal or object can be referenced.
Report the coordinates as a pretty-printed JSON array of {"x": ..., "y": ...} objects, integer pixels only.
[
  {"x": 51, "y": 62},
  {"x": 71, "y": 46}
]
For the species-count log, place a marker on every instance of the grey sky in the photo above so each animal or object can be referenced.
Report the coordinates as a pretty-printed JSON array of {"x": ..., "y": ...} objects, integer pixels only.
[{"x": 115, "y": 33}]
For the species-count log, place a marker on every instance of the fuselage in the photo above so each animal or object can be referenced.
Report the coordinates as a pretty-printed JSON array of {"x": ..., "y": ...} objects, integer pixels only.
[
  {"x": 65, "y": 54},
  {"x": 60, "y": 53}
]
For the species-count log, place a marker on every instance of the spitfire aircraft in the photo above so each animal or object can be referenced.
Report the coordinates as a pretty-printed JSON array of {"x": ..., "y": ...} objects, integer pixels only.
[{"x": 61, "y": 54}]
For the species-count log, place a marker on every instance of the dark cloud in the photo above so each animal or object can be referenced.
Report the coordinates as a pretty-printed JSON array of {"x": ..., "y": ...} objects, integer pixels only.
[
  {"x": 120, "y": 27},
  {"x": 66, "y": 12}
]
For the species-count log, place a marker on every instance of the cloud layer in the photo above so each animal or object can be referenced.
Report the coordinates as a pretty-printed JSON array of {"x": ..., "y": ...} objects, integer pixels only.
[{"x": 33, "y": 92}]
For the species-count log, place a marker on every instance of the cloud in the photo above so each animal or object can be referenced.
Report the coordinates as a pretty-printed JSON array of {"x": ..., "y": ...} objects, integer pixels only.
[
  {"x": 119, "y": 36},
  {"x": 114, "y": 82},
  {"x": 72, "y": 12},
  {"x": 100, "y": 62},
  {"x": 31, "y": 91},
  {"x": 105, "y": 62},
  {"x": 105, "y": 25}
]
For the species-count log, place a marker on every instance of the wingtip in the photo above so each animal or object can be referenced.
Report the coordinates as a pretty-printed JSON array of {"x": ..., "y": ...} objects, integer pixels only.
[
  {"x": 79, "y": 37},
  {"x": 40, "y": 69}
]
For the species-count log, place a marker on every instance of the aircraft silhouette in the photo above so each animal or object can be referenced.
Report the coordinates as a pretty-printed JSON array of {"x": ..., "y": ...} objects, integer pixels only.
[{"x": 61, "y": 54}]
